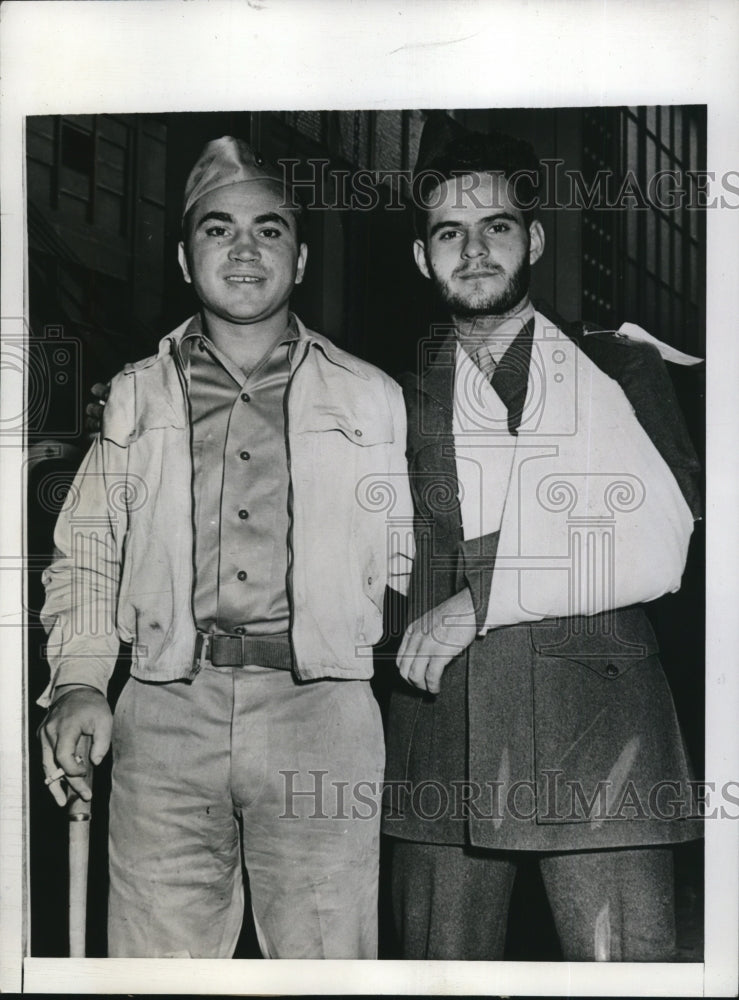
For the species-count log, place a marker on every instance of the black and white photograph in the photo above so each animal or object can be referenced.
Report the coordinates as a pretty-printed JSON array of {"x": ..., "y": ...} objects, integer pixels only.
[{"x": 366, "y": 491}]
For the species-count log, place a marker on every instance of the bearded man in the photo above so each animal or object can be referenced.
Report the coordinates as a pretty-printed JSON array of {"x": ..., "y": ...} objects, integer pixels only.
[{"x": 555, "y": 490}]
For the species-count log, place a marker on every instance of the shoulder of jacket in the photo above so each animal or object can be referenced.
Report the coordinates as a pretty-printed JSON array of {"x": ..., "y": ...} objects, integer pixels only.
[
  {"x": 122, "y": 384},
  {"x": 119, "y": 413},
  {"x": 612, "y": 347},
  {"x": 373, "y": 373},
  {"x": 630, "y": 353},
  {"x": 163, "y": 355},
  {"x": 585, "y": 331},
  {"x": 350, "y": 362},
  {"x": 381, "y": 388},
  {"x": 136, "y": 366}
]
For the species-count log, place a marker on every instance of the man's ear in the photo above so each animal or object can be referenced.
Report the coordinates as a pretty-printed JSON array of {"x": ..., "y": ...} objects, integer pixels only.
[
  {"x": 419, "y": 252},
  {"x": 300, "y": 266},
  {"x": 182, "y": 258},
  {"x": 536, "y": 241}
]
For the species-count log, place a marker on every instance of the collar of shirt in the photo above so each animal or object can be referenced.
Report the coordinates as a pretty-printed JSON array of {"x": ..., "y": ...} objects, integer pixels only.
[
  {"x": 487, "y": 349},
  {"x": 195, "y": 336}
]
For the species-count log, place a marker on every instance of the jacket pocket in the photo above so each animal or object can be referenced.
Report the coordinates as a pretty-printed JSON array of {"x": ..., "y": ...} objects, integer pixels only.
[{"x": 610, "y": 643}]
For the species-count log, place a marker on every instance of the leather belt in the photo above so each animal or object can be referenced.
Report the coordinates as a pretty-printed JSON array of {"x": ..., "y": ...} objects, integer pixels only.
[{"x": 244, "y": 650}]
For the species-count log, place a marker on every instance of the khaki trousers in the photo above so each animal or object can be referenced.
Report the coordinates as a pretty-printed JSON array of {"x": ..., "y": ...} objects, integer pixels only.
[{"x": 245, "y": 758}]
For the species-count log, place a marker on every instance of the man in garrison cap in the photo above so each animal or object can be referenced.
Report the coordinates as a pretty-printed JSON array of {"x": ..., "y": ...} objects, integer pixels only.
[
  {"x": 216, "y": 524},
  {"x": 555, "y": 490}
]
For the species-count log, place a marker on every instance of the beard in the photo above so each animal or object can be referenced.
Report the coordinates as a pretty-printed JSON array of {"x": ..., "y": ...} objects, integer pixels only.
[{"x": 486, "y": 304}]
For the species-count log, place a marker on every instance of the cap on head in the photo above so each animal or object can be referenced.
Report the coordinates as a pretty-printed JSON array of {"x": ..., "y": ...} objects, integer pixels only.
[{"x": 224, "y": 162}]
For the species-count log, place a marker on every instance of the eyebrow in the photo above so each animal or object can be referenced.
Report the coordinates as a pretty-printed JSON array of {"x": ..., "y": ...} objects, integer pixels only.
[
  {"x": 451, "y": 224},
  {"x": 227, "y": 217},
  {"x": 272, "y": 217},
  {"x": 217, "y": 216}
]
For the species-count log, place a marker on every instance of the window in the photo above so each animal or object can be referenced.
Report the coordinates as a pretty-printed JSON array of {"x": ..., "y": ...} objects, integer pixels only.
[{"x": 644, "y": 259}]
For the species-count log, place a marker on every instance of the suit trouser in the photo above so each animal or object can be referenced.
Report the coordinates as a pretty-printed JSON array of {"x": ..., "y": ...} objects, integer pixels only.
[
  {"x": 296, "y": 766},
  {"x": 451, "y": 902}
]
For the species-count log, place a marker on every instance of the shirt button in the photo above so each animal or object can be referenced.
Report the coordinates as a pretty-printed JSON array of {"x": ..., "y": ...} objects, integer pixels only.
[
  {"x": 612, "y": 670},
  {"x": 245, "y": 455},
  {"x": 241, "y": 574},
  {"x": 358, "y": 432},
  {"x": 243, "y": 514},
  {"x": 240, "y": 630},
  {"x": 245, "y": 397}
]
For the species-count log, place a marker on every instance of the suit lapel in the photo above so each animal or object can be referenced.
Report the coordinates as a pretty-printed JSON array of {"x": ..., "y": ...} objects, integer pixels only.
[{"x": 432, "y": 462}]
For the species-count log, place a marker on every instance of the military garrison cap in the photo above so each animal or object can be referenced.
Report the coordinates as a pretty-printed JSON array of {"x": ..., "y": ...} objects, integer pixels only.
[{"x": 224, "y": 162}]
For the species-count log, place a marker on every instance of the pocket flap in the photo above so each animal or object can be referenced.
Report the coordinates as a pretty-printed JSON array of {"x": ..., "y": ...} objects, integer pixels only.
[
  {"x": 609, "y": 643},
  {"x": 361, "y": 428}
]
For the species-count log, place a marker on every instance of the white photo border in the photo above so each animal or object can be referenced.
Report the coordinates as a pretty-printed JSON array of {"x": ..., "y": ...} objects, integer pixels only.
[{"x": 205, "y": 55}]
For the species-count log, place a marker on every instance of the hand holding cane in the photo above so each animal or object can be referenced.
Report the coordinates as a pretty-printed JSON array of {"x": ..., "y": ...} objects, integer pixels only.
[
  {"x": 78, "y": 814},
  {"x": 75, "y": 735}
]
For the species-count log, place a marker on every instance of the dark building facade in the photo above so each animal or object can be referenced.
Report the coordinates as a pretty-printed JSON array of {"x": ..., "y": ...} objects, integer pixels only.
[{"x": 104, "y": 210}]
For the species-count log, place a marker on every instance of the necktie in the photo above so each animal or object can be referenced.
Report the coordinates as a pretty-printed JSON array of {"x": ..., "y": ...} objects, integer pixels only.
[{"x": 509, "y": 376}]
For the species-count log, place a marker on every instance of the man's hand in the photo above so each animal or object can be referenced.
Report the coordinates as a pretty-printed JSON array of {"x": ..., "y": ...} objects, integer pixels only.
[
  {"x": 94, "y": 410},
  {"x": 80, "y": 711},
  {"x": 435, "y": 639}
]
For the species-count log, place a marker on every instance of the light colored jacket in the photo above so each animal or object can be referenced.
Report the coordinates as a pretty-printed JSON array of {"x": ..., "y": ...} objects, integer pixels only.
[{"x": 123, "y": 568}]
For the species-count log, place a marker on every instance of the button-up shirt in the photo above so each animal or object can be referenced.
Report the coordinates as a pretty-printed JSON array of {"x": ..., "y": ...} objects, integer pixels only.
[{"x": 240, "y": 487}]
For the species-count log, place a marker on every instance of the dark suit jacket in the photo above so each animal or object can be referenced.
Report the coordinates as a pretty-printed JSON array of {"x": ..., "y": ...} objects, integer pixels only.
[{"x": 556, "y": 735}]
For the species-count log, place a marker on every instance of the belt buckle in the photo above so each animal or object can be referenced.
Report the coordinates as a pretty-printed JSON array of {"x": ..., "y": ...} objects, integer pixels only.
[{"x": 205, "y": 649}]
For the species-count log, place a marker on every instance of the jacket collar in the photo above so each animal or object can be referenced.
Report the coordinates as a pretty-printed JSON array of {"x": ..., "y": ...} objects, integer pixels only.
[
  {"x": 161, "y": 404},
  {"x": 310, "y": 338}
]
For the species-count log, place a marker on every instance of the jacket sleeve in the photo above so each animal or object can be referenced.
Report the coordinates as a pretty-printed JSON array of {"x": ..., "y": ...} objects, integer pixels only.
[{"x": 81, "y": 583}]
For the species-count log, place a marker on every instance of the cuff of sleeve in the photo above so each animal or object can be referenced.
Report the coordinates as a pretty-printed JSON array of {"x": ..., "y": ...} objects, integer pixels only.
[
  {"x": 88, "y": 672},
  {"x": 478, "y": 562},
  {"x": 399, "y": 583},
  {"x": 400, "y": 566}
]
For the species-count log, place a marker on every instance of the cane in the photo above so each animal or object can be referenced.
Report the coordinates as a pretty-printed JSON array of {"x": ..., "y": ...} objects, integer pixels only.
[{"x": 78, "y": 813}]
